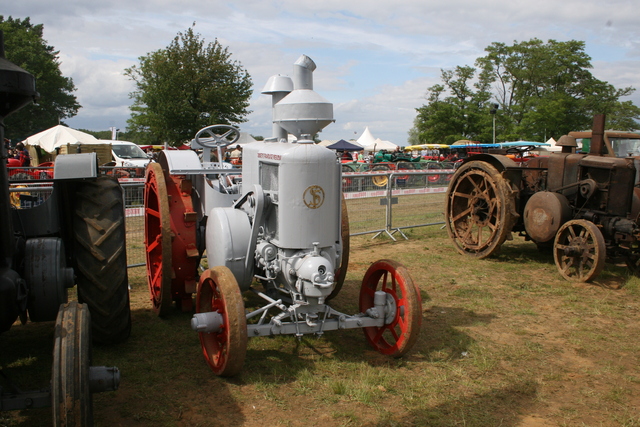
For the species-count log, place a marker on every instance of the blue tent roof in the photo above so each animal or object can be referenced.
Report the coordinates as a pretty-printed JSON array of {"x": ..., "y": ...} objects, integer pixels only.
[{"x": 343, "y": 145}]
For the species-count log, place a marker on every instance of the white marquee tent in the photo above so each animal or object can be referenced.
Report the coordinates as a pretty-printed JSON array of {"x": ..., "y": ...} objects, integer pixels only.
[
  {"x": 59, "y": 135},
  {"x": 379, "y": 144},
  {"x": 370, "y": 143}
]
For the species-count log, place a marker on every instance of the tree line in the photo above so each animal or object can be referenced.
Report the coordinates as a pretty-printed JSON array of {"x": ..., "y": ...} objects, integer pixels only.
[{"x": 532, "y": 89}]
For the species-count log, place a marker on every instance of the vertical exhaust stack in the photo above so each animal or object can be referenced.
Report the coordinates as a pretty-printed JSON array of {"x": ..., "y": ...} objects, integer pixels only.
[
  {"x": 278, "y": 87},
  {"x": 597, "y": 136},
  {"x": 303, "y": 112}
]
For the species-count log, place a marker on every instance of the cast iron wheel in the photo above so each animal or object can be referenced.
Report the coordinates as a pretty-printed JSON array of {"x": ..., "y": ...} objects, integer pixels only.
[
  {"x": 579, "y": 250},
  {"x": 399, "y": 334},
  {"x": 480, "y": 209},
  {"x": 344, "y": 259},
  {"x": 225, "y": 350},
  {"x": 100, "y": 258},
  {"x": 157, "y": 239},
  {"x": 71, "y": 398},
  {"x": 380, "y": 180}
]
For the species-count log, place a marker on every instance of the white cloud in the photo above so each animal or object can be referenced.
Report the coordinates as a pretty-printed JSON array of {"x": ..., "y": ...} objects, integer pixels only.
[{"x": 375, "y": 58}]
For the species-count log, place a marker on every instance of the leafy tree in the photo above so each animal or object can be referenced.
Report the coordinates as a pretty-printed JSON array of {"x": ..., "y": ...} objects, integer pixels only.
[
  {"x": 185, "y": 87},
  {"x": 461, "y": 115},
  {"x": 106, "y": 134},
  {"x": 25, "y": 47},
  {"x": 542, "y": 89}
]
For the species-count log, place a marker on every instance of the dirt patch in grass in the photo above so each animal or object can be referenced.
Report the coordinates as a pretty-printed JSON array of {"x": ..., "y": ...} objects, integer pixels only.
[{"x": 505, "y": 341}]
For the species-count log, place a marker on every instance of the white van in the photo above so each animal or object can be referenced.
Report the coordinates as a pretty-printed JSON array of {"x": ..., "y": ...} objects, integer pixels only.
[{"x": 127, "y": 154}]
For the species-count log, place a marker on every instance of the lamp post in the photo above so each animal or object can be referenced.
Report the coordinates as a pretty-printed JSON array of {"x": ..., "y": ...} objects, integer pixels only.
[{"x": 494, "y": 109}]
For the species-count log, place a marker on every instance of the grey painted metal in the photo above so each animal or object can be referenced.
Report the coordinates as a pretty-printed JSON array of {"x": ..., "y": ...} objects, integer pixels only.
[
  {"x": 103, "y": 378},
  {"x": 75, "y": 166},
  {"x": 303, "y": 111}
]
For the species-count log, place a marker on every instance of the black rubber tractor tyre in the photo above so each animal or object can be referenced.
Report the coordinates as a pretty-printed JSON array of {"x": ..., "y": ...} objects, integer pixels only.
[{"x": 100, "y": 258}]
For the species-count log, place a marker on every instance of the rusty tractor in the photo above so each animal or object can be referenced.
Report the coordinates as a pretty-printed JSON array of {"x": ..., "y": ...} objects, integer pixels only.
[
  {"x": 279, "y": 231},
  {"x": 76, "y": 236},
  {"x": 584, "y": 206}
]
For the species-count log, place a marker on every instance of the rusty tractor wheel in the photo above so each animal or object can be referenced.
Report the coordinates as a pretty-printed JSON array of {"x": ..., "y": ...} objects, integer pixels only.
[
  {"x": 226, "y": 349},
  {"x": 480, "y": 209},
  {"x": 400, "y": 331},
  {"x": 380, "y": 180},
  {"x": 170, "y": 240},
  {"x": 344, "y": 258},
  {"x": 579, "y": 250},
  {"x": 71, "y": 398},
  {"x": 100, "y": 258}
]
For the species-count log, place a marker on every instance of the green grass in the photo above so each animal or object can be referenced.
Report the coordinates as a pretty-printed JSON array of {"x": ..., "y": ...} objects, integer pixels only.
[{"x": 504, "y": 341}]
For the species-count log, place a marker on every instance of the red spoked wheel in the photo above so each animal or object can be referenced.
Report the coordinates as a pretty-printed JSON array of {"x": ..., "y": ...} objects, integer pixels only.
[
  {"x": 399, "y": 334},
  {"x": 157, "y": 239},
  {"x": 170, "y": 239},
  {"x": 226, "y": 349}
]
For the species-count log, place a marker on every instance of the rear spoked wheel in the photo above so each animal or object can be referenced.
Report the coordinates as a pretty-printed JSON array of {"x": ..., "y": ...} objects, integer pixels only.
[
  {"x": 480, "y": 209},
  {"x": 157, "y": 235}
]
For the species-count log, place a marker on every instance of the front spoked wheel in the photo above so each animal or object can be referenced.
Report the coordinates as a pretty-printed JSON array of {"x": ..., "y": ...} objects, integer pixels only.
[
  {"x": 225, "y": 349},
  {"x": 579, "y": 250},
  {"x": 403, "y": 320}
]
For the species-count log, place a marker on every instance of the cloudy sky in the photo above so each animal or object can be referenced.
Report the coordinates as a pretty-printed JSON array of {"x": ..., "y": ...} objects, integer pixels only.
[{"x": 375, "y": 58}]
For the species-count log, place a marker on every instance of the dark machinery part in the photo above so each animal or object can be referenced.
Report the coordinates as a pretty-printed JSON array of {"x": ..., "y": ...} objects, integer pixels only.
[
  {"x": 40, "y": 248},
  {"x": 586, "y": 205}
]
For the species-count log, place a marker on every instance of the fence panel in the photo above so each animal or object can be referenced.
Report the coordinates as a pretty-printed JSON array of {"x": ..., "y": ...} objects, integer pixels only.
[{"x": 377, "y": 202}]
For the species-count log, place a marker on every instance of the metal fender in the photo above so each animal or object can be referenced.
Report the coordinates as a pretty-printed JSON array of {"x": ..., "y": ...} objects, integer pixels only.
[
  {"x": 175, "y": 161},
  {"x": 71, "y": 166},
  {"x": 228, "y": 236}
]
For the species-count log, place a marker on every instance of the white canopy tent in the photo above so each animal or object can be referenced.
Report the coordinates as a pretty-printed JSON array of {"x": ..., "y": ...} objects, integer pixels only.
[
  {"x": 379, "y": 144},
  {"x": 57, "y": 136},
  {"x": 366, "y": 138}
]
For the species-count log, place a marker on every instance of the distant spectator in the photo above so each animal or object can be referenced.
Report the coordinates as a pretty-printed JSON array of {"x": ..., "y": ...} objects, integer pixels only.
[
  {"x": 237, "y": 152},
  {"x": 23, "y": 155}
]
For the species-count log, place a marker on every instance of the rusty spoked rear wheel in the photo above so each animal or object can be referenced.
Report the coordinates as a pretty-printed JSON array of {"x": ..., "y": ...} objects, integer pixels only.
[
  {"x": 157, "y": 239},
  {"x": 401, "y": 331},
  {"x": 480, "y": 209},
  {"x": 225, "y": 350},
  {"x": 579, "y": 250}
]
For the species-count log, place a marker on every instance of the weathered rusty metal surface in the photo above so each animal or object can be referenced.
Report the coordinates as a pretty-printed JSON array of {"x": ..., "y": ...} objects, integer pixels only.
[
  {"x": 481, "y": 209},
  {"x": 543, "y": 215},
  {"x": 579, "y": 250}
]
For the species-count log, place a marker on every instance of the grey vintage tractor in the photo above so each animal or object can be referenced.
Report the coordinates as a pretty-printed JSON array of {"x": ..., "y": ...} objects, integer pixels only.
[
  {"x": 76, "y": 236},
  {"x": 584, "y": 206},
  {"x": 280, "y": 231}
]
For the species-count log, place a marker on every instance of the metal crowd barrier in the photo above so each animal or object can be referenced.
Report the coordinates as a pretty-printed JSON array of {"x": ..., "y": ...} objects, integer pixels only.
[{"x": 377, "y": 202}]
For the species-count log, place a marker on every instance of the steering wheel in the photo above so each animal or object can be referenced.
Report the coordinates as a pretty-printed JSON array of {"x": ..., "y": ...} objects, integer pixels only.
[{"x": 217, "y": 136}]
